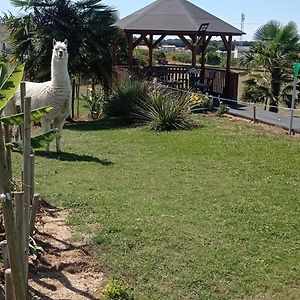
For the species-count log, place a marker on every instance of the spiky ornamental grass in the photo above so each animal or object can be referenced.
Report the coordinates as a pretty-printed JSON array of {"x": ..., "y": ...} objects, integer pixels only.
[{"x": 165, "y": 110}]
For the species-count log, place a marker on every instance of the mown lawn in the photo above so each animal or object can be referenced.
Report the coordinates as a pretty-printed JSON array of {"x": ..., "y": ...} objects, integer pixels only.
[{"x": 211, "y": 213}]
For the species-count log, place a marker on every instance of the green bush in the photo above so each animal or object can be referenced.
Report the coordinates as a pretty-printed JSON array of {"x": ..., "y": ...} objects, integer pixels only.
[
  {"x": 201, "y": 103},
  {"x": 124, "y": 98},
  {"x": 116, "y": 290},
  {"x": 165, "y": 110},
  {"x": 222, "y": 109}
]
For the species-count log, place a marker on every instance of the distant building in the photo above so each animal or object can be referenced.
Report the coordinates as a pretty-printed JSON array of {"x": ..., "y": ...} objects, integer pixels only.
[
  {"x": 142, "y": 47},
  {"x": 240, "y": 51},
  {"x": 168, "y": 48},
  {"x": 4, "y": 36}
]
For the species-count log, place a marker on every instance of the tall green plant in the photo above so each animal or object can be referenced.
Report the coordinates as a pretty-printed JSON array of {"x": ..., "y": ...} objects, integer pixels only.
[
  {"x": 275, "y": 51},
  {"x": 165, "y": 110},
  {"x": 87, "y": 24}
]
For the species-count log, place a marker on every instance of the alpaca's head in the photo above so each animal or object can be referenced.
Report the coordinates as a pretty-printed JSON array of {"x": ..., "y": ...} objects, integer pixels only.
[{"x": 60, "y": 51}]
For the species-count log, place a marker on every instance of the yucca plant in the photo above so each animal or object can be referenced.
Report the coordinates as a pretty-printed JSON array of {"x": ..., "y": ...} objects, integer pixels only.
[{"x": 165, "y": 110}]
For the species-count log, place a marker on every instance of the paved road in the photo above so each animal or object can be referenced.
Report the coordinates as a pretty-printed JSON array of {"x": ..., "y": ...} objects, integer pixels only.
[{"x": 246, "y": 111}]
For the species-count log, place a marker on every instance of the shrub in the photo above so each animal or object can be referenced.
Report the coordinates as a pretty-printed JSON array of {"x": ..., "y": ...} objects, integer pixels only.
[
  {"x": 115, "y": 290},
  {"x": 201, "y": 103},
  {"x": 222, "y": 109},
  {"x": 124, "y": 98},
  {"x": 165, "y": 110}
]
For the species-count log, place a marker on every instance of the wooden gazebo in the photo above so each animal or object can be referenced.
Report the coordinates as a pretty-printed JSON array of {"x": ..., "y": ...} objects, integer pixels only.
[{"x": 194, "y": 26}]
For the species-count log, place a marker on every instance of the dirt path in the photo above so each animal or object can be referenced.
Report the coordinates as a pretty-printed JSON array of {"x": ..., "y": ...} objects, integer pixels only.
[{"x": 64, "y": 270}]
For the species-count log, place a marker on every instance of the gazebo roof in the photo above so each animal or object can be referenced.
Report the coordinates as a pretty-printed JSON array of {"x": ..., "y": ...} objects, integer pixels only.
[{"x": 175, "y": 16}]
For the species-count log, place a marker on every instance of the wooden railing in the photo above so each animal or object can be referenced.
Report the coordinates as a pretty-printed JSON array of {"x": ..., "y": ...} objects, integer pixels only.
[{"x": 222, "y": 83}]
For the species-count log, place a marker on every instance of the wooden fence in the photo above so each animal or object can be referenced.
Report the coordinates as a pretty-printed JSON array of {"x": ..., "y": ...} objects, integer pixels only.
[{"x": 216, "y": 82}]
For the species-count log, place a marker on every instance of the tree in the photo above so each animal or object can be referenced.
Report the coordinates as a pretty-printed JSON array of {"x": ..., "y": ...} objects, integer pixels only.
[
  {"x": 87, "y": 24},
  {"x": 275, "y": 51}
]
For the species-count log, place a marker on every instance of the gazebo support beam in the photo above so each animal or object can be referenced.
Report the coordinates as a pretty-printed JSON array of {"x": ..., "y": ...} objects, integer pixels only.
[
  {"x": 203, "y": 43},
  {"x": 150, "y": 46},
  {"x": 129, "y": 36},
  {"x": 138, "y": 41},
  {"x": 228, "y": 45},
  {"x": 191, "y": 46}
]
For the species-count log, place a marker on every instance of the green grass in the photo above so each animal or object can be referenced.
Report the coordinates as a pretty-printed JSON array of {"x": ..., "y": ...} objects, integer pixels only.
[{"x": 211, "y": 213}]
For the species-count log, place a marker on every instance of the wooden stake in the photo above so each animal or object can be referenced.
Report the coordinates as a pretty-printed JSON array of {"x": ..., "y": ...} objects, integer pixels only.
[
  {"x": 32, "y": 161},
  {"x": 4, "y": 251},
  {"x": 22, "y": 96},
  {"x": 21, "y": 227},
  {"x": 10, "y": 226},
  {"x": 34, "y": 209},
  {"x": 27, "y": 173},
  {"x": 13, "y": 244},
  {"x": 8, "y": 150},
  {"x": 9, "y": 288}
]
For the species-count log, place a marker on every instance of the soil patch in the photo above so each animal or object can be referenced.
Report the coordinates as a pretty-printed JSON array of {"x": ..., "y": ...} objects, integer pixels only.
[{"x": 63, "y": 270}]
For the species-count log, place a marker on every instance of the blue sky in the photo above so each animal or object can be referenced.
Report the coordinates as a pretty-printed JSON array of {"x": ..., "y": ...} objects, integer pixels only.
[{"x": 257, "y": 12}]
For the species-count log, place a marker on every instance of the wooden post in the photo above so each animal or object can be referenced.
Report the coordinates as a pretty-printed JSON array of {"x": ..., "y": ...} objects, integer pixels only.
[
  {"x": 22, "y": 96},
  {"x": 32, "y": 179},
  {"x": 150, "y": 46},
  {"x": 13, "y": 244},
  {"x": 27, "y": 173},
  {"x": 77, "y": 95},
  {"x": 34, "y": 209},
  {"x": 8, "y": 150},
  {"x": 130, "y": 49},
  {"x": 4, "y": 251},
  {"x": 21, "y": 227},
  {"x": 73, "y": 98},
  {"x": 10, "y": 226},
  {"x": 9, "y": 288}
]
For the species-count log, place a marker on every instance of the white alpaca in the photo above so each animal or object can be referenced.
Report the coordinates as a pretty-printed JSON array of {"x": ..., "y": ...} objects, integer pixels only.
[{"x": 56, "y": 93}]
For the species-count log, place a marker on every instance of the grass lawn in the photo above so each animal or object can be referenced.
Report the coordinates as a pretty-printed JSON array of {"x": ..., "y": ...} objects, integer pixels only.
[{"x": 211, "y": 213}]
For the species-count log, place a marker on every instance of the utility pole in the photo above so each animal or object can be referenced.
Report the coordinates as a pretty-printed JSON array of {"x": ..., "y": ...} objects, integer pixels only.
[{"x": 243, "y": 17}]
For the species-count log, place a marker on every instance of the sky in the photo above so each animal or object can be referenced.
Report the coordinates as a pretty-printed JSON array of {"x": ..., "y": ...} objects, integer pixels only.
[{"x": 257, "y": 12}]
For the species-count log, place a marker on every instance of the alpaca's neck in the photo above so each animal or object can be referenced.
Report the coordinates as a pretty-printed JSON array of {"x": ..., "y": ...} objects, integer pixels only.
[{"x": 59, "y": 72}]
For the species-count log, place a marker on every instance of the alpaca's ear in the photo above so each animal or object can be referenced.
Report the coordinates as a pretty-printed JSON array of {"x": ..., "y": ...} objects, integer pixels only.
[
  {"x": 54, "y": 42},
  {"x": 66, "y": 42}
]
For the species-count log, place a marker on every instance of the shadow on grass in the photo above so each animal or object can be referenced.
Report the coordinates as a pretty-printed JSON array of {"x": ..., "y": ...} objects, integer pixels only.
[
  {"x": 103, "y": 124},
  {"x": 64, "y": 156}
]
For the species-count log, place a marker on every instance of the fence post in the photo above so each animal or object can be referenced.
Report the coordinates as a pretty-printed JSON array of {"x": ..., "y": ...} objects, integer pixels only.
[
  {"x": 73, "y": 98},
  {"x": 293, "y": 105},
  {"x": 254, "y": 113}
]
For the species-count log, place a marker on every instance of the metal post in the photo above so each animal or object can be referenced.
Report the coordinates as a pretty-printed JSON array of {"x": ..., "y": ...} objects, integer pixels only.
[
  {"x": 293, "y": 105},
  {"x": 254, "y": 113}
]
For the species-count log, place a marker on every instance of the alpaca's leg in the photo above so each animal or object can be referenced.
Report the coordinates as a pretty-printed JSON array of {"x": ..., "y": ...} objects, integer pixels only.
[
  {"x": 59, "y": 124},
  {"x": 46, "y": 126}
]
